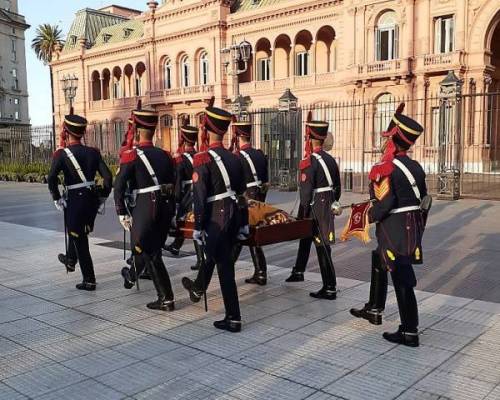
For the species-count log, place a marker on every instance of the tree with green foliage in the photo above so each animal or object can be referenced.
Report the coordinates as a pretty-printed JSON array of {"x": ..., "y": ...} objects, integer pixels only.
[{"x": 47, "y": 38}]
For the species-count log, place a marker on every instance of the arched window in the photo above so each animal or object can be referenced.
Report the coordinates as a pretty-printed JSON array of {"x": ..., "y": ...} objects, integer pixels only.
[
  {"x": 204, "y": 68},
  {"x": 140, "y": 68},
  {"x": 167, "y": 74},
  {"x": 96, "y": 86},
  {"x": 185, "y": 67},
  {"x": 117, "y": 74},
  {"x": 385, "y": 106},
  {"x": 387, "y": 37},
  {"x": 303, "y": 42}
]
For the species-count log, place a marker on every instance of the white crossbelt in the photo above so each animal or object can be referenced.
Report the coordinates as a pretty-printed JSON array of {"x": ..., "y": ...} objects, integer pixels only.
[
  {"x": 225, "y": 176},
  {"x": 256, "y": 181},
  {"x": 404, "y": 209},
  {"x": 81, "y": 175},
  {"x": 151, "y": 172},
  {"x": 185, "y": 183},
  {"x": 327, "y": 175},
  {"x": 413, "y": 183},
  {"x": 188, "y": 156}
]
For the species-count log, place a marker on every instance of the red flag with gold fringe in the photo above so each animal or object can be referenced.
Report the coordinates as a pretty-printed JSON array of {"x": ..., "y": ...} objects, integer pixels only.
[{"x": 358, "y": 224}]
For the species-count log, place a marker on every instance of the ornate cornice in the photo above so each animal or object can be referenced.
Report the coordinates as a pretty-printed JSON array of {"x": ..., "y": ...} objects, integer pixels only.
[
  {"x": 168, "y": 14},
  {"x": 234, "y": 22}
]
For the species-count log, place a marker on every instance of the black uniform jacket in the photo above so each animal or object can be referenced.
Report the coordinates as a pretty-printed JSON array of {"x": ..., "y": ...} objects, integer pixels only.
[
  {"x": 312, "y": 176},
  {"x": 399, "y": 235},
  {"x": 183, "y": 189},
  {"x": 220, "y": 219},
  {"x": 153, "y": 211},
  {"x": 260, "y": 163},
  {"x": 83, "y": 202}
]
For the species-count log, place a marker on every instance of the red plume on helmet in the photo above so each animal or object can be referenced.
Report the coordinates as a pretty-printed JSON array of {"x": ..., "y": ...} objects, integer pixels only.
[
  {"x": 234, "y": 147},
  {"x": 204, "y": 130},
  {"x": 308, "y": 144},
  {"x": 128, "y": 140},
  {"x": 391, "y": 149},
  {"x": 63, "y": 137},
  {"x": 181, "y": 141}
]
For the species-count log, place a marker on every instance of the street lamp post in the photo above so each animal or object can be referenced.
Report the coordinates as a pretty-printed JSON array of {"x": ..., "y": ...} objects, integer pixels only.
[
  {"x": 231, "y": 57},
  {"x": 70, "y": 85}
]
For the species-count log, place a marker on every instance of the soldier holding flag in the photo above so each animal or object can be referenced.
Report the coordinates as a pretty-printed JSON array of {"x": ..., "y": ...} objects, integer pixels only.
[{"x": 399, "y": 209}]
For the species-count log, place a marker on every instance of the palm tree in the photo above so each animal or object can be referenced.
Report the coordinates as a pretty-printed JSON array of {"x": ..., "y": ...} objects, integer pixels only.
[{"x": 44, "y": 44}]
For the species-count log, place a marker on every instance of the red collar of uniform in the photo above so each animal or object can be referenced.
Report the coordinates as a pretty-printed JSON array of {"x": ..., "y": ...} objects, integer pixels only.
[
  {"x": 75, "y": 143},
  {"x": 317, "y": 149},
  {"x": 147, "y": 143},
  {"x": 246, "y": 146},
  {"x": 401, "y": 153},
  {"x": 215, "y": 145}
]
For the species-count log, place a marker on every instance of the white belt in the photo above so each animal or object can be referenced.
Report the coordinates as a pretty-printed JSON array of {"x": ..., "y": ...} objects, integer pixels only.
[
  {"x": 148, "y": 189},
  {"x": 404, "y": 209},
  {"x": 80, "y": 185},
  {"x": 221, "y": 196},
  {"x": 254, "y": 183},
  {"x": 185, "y": 183},
  {"x": 323, "y": 189}
]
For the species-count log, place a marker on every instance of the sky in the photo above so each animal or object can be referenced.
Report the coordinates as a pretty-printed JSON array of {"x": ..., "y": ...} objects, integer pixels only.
[{"x": 60, "y": 12}]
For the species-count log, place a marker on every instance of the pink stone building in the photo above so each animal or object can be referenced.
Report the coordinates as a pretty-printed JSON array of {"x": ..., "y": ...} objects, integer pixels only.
[{"x": 325, "y": 51}]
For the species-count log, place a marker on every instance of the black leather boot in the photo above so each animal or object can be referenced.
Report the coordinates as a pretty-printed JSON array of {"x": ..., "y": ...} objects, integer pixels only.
[
  {"x": 403, "y": 337},
  {"x": 162, "y": 284},
  {"x": 199, "y": 256},
  {"x": 295, "y": 276},
  {"x": 89, "y": 286},
  {"x": 229, "y": 324},
  {"x": 325, "y": 294},
  {"x": 129, "y": 277},
  {"x": 194, "y": 294},
  {"x": 408, "y": 311},
  {"x": 171, "y": 249},
  {"x": 260, "y": 275},
  {"x": 372, "y": 311},
  {"x": 161, "y": 304},
  {"x": 328, "y": 291},
  {"x": 67, "y": 262}
]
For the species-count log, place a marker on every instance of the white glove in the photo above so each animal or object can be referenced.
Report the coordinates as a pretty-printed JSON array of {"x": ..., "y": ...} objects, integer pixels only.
[
  {"x": 243, "y": 233},
  {"x": 126, "y": 221},
  {"x": 199, "y": 236},
  {"x": 60, "y": 204},
  {"x": 102, "y": 205}
]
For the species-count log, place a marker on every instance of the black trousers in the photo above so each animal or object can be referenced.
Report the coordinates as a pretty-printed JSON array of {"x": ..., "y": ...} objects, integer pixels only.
[
  {"x": 78, "y": 251},
  {"x": 404, "y": 280},
  {"x": 324, "y": 256},
  {"x": 177, "y": 243},
  {"x": 224, "y": 260}
]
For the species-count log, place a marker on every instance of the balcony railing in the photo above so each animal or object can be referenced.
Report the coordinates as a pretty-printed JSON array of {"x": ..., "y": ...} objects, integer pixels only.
[
  {"x": 123, "y": 102},
  {"x": 296, "y": 82},
  {"x": 384, "y": 69},
  {"x": 441, "y": 61},
  {"x": 303, "y": 81},
  {"x": 181, "y": 94}
]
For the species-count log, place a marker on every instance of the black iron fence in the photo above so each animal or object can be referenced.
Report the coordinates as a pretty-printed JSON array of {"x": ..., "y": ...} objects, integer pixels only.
[{"x": 459, "y": 149}]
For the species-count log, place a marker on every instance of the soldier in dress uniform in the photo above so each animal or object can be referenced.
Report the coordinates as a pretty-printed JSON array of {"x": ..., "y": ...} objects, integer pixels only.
[
  {"x": 257, "y": 183},
  {"x": 83, "y": 199},
  {"x": 150, "y": 172},
  {"x": 184, "y": 186},
  {"x": 221, "y": 215},
  {"x": 319, "y": 189},
  {"x": 397, "y": 187}
]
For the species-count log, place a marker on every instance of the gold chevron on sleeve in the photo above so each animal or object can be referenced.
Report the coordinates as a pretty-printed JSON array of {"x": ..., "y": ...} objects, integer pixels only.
[{"x": 382, "y": 188}]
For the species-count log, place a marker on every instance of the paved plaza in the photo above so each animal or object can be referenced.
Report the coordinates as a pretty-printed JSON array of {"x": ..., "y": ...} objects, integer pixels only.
[{"x": 58, "y": 343}]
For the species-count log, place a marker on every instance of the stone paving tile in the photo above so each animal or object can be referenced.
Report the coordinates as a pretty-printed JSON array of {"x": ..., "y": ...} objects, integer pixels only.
[
  {"x": 138, "y": 377},
  {"x": 156, "y": 325},
  {"x": 14, "y": 328},
  {"x": 20, "y": 362},
  {"x": 189, "y": 333},
  {"x": 359, "y": 386},
  {"x": 181, "y": 388},
  {"x": 224, "y": 344},
  {"x": 44, "y": 380},
  {"x": 444, "y": 340},
  {"x": 42, "y": 337},
  {"x": 401, "y": 371},
  {"x": 456, "y": 387},
  {"x": 146, "y": 347},
  {"x": 494, "y": 394},
  {"x": 99, "y": 362},
  {"x": 425, "y": 355},
  {"x": 61, "y": 317},
  {"x": 8, "y": 346},
  {"x": 272, "y": 388},
  {"x": 86, "y": 326},
  {"x": 68, "y": 349},
  {"x": 465, "y": 328},
  {"x": 414, "y": 394},
  {"x": 85, "y": 390},
  {"x": 7, "y": 315},
  {"x": 7, "y": 393},
  {"x": 114, "y": 336},
  {"x": 185, "y": 359},
  {"x": 39, "y": 309},
  {"x": 323, "y": 396},
  {"x": 475, "y": 316},
  {"x": 472, "y": 367},
  {"x": 483, "y": 350},
  {"x": 287, "y": 320}
]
